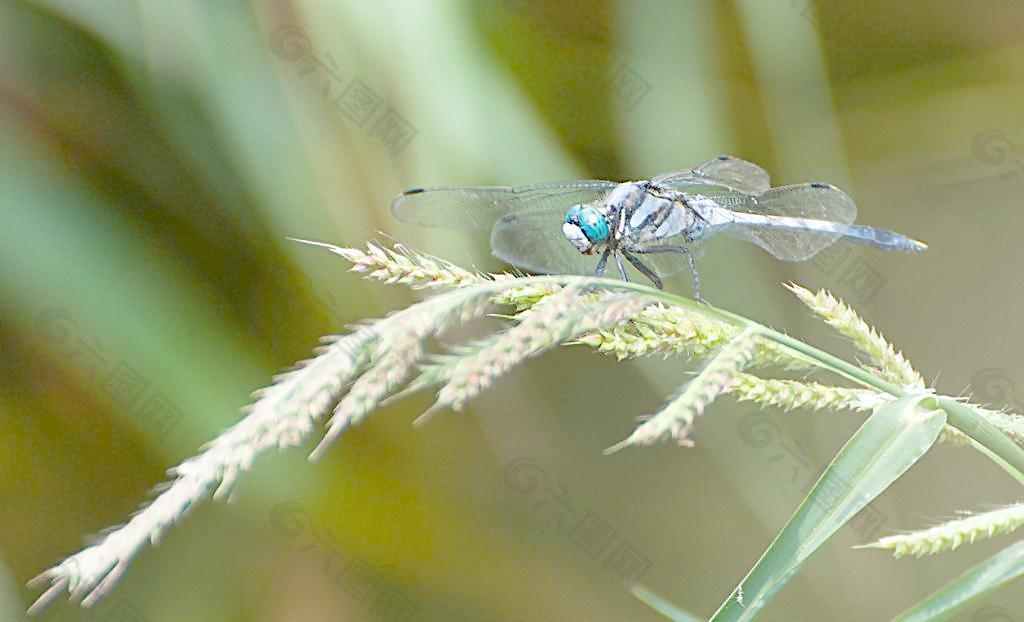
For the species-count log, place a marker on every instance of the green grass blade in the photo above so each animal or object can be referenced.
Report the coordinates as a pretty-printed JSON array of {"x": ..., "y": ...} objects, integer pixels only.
[
  {"x": 1004, "y": 566},
  {"x": 661, "y": 605},
  {"x": 888, "y": 443}
]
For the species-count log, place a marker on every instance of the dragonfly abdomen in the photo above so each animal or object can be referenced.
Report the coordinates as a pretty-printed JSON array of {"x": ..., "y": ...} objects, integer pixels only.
[{"x": 882, "y": 239}]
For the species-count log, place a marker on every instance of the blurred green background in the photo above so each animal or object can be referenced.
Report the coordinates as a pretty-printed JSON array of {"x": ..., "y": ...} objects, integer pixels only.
[{"x": 154, "y": 155}]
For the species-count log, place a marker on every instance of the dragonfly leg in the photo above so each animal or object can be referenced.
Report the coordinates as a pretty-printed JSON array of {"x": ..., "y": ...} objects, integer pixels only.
[
  {"x": 682, "y": 250},
  {"x": 622, "y": 268},
  {"x": 602, "y": 263},
  {"x": 646, "y": 271}
]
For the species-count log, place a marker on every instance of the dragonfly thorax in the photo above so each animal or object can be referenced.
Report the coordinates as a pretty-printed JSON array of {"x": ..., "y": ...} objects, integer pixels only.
[
  {"x": 631, "y": 216},
  {"x": 659, "y": 216}
]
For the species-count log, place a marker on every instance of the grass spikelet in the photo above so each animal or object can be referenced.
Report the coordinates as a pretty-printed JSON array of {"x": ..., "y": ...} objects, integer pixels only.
[
  {"x": 561, "y": 316},
  {"x": 791, "y": 394},
  {"x": 666, "y": 330},
  {"x": 950, "y": 535},
  {"x": 398, "y": 351},
  {"x": 525, "y": 297},
  {"x": 677, "y": 418},
  {"x": 403, "y": 266},
  {"x": 400, "y": 265},
  {"x": 892, "y": 366}
]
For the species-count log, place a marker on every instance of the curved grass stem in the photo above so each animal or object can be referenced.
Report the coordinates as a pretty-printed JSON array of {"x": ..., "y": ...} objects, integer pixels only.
[{"x": 984, "y": 436}]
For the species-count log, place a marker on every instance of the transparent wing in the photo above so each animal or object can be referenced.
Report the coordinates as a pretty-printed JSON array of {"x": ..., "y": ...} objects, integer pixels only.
[
  {"x": 793, "y": 223},
  {"x": 724, "y": 171},
  {"x": 533, "y": 240},
  {"x": 480, "y": 207}
]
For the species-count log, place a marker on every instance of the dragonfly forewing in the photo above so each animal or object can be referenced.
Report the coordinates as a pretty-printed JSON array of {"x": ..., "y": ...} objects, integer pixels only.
[
  {"x": 724, "y": 172},
  {"x": 476, "y": 208}
]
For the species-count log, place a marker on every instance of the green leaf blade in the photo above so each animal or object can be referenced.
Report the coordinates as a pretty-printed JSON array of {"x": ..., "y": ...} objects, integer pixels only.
[{"x": 884, "y": 447}]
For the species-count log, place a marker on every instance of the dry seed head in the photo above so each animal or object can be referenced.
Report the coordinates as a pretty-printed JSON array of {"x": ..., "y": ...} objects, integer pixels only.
[
  {"x": 400, "y": 348},
  {"x": 667, "y": 330},
  {"x": 790, "y": 394},
  {"x": 560, "y": 317},
  {"x": 402, "y": 266},
  {"x": 676, "y": 419},
  {"x": 892, "y": 366},
  {"x": 283, "y": 416}
]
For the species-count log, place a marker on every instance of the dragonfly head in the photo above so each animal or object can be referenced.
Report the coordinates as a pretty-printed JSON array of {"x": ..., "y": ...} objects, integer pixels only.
[{"x": 585, "y": 227}]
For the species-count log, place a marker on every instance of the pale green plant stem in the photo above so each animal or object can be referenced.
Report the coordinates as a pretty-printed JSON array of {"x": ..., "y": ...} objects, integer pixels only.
[{"x": 985, "y": 437}]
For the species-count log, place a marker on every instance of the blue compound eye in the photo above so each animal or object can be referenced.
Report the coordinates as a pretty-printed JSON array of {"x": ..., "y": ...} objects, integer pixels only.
[
  {"x": 573, "y": 213},
  {"x": 593, "y": 224}
]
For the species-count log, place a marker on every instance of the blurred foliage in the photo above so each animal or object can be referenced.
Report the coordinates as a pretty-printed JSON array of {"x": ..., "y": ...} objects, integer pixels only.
[{"x": 155, "y": 155}]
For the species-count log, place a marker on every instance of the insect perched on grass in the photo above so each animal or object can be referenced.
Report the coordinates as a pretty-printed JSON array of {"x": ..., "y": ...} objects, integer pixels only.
[{"x": 655, "y": 225}]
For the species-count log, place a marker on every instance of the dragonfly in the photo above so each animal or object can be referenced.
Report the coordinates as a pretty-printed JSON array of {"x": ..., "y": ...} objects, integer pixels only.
[{"x": 656, "y": 225}]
